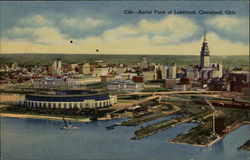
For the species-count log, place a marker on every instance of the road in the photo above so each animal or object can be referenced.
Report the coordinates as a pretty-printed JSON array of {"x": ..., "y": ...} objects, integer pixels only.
[
  {"x": 121, "y": 106},
  {"x": 164, "y": 93}
]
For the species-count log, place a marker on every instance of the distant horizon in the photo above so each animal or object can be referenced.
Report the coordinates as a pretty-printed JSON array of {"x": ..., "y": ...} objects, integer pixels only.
[{"x": 131, "y": 54}]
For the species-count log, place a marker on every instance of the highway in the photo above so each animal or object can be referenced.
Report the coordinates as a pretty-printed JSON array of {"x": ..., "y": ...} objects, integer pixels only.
[
  {"x": 165, "y": 93},
  {"x": 120, "y": 106}
]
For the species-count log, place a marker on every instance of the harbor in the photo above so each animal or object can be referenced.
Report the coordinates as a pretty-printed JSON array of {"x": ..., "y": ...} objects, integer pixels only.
[{"x": 93, "y": 141}]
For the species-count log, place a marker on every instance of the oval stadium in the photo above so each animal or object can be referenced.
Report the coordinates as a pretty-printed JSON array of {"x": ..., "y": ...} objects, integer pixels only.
[{"x": 69, "y": 99}]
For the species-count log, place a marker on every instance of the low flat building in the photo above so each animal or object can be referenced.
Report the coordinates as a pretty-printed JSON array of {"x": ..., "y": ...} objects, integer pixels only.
[
  {"x": 149, "y": 75},
  {"x": 84, "y": 69},
  {"x": 217, "y": 85},
  {"x": 170, "y": 83},
  {"x": 128, "y": 75},
  {"x": 237, "y": 86},
  {"x": 137, "y": 79},
  {"x": 100, "y": 71},
  {"x": 71, "y": 82},
  {"x": 125, "y": 86},
  {"x": 153, "y": 85},
  {"x": 108, "y": 78},
  {"x": 48, "y": 83},
  {"x": 180, "y": 87}
]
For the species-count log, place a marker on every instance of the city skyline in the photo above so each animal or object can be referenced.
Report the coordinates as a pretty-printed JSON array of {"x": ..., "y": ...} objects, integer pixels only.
[{"x": 85, "y": 27}]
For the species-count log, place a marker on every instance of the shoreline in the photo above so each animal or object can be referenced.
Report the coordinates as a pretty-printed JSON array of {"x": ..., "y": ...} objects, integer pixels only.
[
  {"x": 214, "y": 141},
  {"x": 14, "y": 115}
]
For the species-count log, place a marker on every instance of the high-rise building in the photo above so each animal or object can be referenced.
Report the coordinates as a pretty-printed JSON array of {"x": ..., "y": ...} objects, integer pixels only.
[
  {"x": 56, "y": 67},
  {"x": 169, "y": 71},
  {"x": 204, "y": 54},
  {"x": 57, "y": 64},
  {"x": 144, "y": 63},
  {"x": 208, "y": 70}
]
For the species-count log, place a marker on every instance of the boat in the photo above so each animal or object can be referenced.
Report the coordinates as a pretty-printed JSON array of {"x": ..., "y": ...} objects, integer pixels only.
[
  {"x": 118, "y": 123},
  {"x": 68, "y": 126},
  {"x": 110, "y": 127},
  {"x": 113, "y": 126}
]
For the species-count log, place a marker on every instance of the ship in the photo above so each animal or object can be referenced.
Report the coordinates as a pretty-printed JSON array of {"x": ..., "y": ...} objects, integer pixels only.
[{"x": 68, "y": 126}]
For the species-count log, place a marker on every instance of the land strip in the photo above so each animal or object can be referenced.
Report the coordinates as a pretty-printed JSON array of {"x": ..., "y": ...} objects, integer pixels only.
[
  {"x": 245, "y": 146},
  {"x": 150, "y": 117},
  {"x": 12, "y": 115},
  {"x": 202, "y": 134}
]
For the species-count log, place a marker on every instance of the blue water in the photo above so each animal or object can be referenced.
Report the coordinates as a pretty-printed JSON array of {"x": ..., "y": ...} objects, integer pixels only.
[{"x": 35, "y": 139}]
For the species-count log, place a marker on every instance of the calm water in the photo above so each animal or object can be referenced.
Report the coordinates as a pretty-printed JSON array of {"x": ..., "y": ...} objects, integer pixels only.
[{"x": 43, "y": 139}]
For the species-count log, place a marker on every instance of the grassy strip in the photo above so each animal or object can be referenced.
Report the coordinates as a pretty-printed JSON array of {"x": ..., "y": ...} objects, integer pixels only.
[
  {"x": 143, "y": 119},
  {"x": 245, "y": 146},
  {"x": 202, "y": 134},
  {"x": 160, "y": 126},
  {"x": 153, "y": 129}
]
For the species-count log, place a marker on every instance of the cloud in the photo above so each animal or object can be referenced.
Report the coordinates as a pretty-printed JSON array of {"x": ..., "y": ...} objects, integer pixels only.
[
  {"x": 145, "y": 45},
  {"x": 129, "y": 45},
  {"x": 18, "y": 32},
  {"x": 35, "y": 21},
  {"x": 175, "y": 28},
  {"x": 23, "y": 46},
  {"x": 49, "y": 35},
  {"x": 45, "y": 35},
  {"x": 238, "y": 26},
  {"x": 171, "y": 29},
  {"x": 119, "y": 33},
  {"x": 165, "y": 36},
  {"x": 85, "y": 23}
]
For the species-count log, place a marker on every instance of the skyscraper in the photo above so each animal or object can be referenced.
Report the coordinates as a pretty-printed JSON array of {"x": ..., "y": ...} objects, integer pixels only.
[
  {"x": 144, "y": 63},
  {"x": 56, "y": 67},
  {"x": 205, "y": 53}
]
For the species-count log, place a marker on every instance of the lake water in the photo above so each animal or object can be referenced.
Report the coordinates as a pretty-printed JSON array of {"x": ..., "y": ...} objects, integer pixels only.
[{"x": 36, "y": 139}]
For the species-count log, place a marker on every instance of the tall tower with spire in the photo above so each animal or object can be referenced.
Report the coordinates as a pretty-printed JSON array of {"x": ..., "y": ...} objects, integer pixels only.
[{"x": 205, "y": 53}]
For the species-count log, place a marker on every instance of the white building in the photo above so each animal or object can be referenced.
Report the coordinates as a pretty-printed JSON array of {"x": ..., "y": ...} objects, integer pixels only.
[
  {"x": 192, "y": 73},
  {"x": 149, "y": 75},
  {"x": 169, "y": 71},
  {"x": 125, "y": 86},
  {"x": 48, "y": 83},
  {"x": 84, "y": 69},
  {"x": 100, "y": 71},
  {"x": 212, "y": 71},
  {"x": 56, "y": 67}
]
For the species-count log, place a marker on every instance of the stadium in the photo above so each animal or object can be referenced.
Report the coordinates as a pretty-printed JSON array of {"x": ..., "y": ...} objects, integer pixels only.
[{"x": 69, "y": 99}]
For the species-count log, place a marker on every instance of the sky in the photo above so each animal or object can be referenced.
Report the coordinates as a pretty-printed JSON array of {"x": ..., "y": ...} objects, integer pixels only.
[{"x": 102, "y": 27}]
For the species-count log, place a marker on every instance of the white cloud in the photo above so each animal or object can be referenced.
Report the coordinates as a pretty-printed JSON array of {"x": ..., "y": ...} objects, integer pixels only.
[
  {"x": 45, "y": 35},
  {"x": 17, "y": 31},
  {"x": 36, "y": 20},
  {"x": 119, "y": 33},
  {"x": 49, "y": 35},
  {"x": 85, "y": 23},
  {"x": 160, "y": 39},
  {"x": 129, "y": 45},
  {"x": 239, "y": 26},
  {"x": 171, "y": 29}
]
